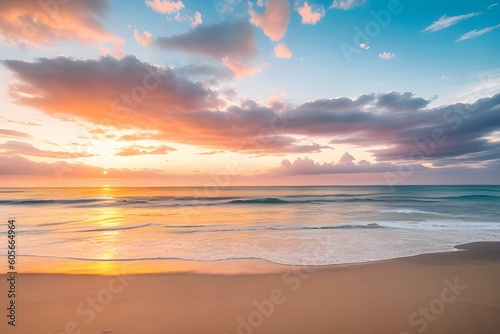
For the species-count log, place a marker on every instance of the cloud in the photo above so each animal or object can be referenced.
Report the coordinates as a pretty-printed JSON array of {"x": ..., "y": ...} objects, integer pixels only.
[
  {"x": 282, "y": 51},
  {"x": 231, "y": 43},
  {"x": 386, "y": 55},
  {"x": 492, "y": 5},
  {"x": 13, "y": 133},
  {"x": 145, "y": 150},
  {"x": 165, "y": 6},
  {"x": 211, "y": 153},
  {"x": 18, "y": 165},
  {"x": 390, "y": 125},
  {"x": 346, "y": 4},
  {"x": 175, "y": 108},
  {"x": 143, "y": 39},
  {"x": 196, "y": 19},
  {"x": 17, "y": 147},
  {"x": 230, "y": 8},
  {"x": 476, "y": 33},
  {"x": 346, "y": 165},
  {"x": 485, "y": 84},
  {"x": 311, "y": 14},
  {"x": 448, "y": 21},
  {"x": 275, "y": 19},
  {"x": 241, "y": 70},
  {"x": 118, "y": 87},
  {"x": 43, "y": 23}
]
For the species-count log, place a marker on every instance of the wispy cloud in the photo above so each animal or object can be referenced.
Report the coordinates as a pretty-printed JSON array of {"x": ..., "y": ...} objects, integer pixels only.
[
  {"x": 476, "y": 33},
  {"x": 13, "y": 133},
  {"x": 346, "y": 4},
  {"x": 492, "y": 5},
  {"x": 16, "y": 147},
  {"x": 386, "y": 55},
  {"x": 448, "y": 21},
  {"x": 145, "y": 150}
]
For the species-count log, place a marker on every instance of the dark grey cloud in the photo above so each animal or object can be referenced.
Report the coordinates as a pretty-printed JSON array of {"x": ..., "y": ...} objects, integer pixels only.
[
  {"x": 235, "y": 40},
  {"x": 230, "y": 43}
]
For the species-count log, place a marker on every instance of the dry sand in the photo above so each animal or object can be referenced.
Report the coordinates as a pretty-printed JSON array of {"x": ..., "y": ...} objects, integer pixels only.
[{"x": 456, "y": 292}]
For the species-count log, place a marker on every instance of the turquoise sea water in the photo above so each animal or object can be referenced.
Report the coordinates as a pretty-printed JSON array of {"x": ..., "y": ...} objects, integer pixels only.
[{"x": 286, "y": 225}]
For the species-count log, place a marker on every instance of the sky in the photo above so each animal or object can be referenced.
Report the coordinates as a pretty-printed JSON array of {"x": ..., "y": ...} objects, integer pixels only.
[{"x": 110, "y": 93}]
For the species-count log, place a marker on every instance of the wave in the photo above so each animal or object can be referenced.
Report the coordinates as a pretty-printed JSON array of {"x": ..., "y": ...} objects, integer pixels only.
[
  {"x": 117, "y": 228},
  {"x": 271, "y": 200},
  {"x": 472, "y": 197},
  {"x": 410, "y": 211},
  {"x": 280, "y": 228},
  {"x": 54, "y": 201},
  {"x": 172, "y": 201}
]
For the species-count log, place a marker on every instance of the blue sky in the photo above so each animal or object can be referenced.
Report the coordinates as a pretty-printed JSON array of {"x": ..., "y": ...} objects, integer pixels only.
[
  {"x": 245, "y": 62},
  {"x": 421, "y": 59}
]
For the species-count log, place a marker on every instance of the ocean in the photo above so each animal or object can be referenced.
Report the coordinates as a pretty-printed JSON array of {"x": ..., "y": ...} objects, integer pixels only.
[{"x": 70, "y": 229}]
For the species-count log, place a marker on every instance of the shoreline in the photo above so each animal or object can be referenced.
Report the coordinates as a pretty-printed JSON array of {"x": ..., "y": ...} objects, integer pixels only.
[{"x": 243, "y": 266}]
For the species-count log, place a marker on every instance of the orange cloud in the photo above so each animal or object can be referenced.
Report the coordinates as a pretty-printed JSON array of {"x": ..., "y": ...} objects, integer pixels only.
[
  {"x": 41, "y": 23},
  {"x": 275, "y": 19}
]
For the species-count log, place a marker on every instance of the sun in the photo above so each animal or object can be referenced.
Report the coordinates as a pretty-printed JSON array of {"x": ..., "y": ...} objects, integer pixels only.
[{"x": 105, "y": 172}]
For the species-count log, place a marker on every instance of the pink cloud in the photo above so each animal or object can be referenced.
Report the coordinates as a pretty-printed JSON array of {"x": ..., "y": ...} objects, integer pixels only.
[
  {"x": 275, "y": 19},
  {"x": 143, "y": 39},
  {"x": 311, "y": 14},
  {"x": 282, "y": 51},
  {"x": 165, "y": 6}
]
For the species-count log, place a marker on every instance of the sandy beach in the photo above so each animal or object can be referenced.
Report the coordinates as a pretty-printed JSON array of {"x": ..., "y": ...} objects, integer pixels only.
[{"x": 454, "y": 292}]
